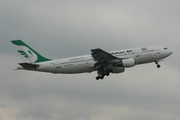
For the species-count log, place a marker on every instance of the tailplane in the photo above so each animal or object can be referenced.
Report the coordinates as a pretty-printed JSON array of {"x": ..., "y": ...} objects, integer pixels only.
[{"x": 27, "y": 53}]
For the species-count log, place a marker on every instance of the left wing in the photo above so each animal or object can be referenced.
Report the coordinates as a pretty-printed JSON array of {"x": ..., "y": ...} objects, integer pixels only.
[{"x": 103, "y": 57}]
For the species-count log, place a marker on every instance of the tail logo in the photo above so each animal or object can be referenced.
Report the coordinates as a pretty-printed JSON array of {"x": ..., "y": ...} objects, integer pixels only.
[
  {"x": 27, "y": 53},
  {"x": 30, "y": 55}
]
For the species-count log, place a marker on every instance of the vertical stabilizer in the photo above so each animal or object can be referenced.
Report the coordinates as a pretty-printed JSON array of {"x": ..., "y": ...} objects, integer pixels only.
[{"x": 27, "y": 53}]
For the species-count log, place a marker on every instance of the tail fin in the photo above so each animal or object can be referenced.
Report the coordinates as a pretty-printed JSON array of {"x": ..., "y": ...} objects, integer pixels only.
[{"x": 27, "y": 53}]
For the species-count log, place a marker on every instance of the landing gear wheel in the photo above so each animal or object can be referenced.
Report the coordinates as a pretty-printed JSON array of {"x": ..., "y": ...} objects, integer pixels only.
[
  {"x": 102, "y": 77},
  {"x": 158, "y": 66},
  {"x": 107, "y": 74},
  {"x": 97, "y": 78}
]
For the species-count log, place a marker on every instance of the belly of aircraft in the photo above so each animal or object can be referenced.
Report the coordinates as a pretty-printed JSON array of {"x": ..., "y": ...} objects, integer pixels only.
[{"x": 73, "y": 69}]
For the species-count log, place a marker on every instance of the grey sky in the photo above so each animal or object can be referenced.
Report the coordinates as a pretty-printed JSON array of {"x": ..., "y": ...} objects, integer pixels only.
[{"x": 60, "y": 29}]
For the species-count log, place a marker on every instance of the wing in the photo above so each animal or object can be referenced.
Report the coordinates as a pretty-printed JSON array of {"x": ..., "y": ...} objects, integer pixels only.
[{"x": 103, "y": 57}]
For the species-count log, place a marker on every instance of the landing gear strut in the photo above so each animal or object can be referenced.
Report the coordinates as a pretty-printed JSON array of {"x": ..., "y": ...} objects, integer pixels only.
[{"x": 158, "y": 66}]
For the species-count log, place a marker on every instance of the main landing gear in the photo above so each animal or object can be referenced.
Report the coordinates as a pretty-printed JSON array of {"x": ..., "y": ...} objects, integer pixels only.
[
  {"x": 101, "y": 75},
  {"x": 158, "y": 66}
]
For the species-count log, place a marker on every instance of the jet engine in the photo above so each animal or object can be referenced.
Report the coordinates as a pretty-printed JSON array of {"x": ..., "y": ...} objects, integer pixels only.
[
  {"x": 118, "y": 70},
  {"x": 129, "y": 62}
]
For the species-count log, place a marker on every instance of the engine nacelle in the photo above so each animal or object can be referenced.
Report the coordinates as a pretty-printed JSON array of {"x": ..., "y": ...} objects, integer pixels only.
[
  {"x": 130, "y": 62},
  {"x": 118, "y": 70}
]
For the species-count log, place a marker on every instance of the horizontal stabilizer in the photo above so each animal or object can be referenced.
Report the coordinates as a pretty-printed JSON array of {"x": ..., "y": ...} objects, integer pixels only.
[{"x": 29, "y": 65}]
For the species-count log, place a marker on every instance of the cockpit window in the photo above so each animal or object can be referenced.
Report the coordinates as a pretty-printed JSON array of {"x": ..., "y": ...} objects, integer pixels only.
[{"x": 165, "y": 48}]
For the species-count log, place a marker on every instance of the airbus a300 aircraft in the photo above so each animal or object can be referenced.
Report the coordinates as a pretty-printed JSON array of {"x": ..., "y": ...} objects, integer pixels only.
[{"x": 101, "y": 61}]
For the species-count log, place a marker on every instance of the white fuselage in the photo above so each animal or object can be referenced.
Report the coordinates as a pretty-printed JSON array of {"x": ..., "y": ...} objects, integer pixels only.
[{"x": 81, "y": 64}]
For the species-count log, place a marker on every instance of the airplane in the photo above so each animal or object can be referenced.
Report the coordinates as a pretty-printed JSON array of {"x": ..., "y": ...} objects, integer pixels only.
[{"x": 99, "y": 60}]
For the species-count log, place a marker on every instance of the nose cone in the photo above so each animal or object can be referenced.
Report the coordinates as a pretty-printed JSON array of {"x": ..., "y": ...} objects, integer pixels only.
[
  {"x": 167, "y": 52},
  {"x": 170, "y": 51}
]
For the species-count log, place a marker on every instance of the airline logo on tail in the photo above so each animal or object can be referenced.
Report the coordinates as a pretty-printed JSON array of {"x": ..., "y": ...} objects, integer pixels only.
[{"x": 27, "y": 53}]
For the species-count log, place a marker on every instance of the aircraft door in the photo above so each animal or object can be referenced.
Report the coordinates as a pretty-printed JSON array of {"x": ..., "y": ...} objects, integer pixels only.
[
  {"x": 58, "y": 64},
  {"x": 157, "y": 50},
  {"x": 156, "y": 53},
  {"x": 137, "y": 53},
  {"x": 137, "y": 56}
]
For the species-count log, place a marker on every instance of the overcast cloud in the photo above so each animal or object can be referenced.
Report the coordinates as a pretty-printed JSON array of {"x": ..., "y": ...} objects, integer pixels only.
[{"x": 58, "y": 29}]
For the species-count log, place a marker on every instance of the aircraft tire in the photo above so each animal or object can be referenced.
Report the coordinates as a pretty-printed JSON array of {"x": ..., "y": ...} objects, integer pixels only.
[
  {"x": 107, "y": 74},
  {"x": 97, "y": 78},
  {"x": 102, "y": 77}
]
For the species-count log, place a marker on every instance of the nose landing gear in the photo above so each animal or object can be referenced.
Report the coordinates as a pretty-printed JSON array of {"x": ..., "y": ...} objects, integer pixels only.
[{"x": 158, "y": 66}]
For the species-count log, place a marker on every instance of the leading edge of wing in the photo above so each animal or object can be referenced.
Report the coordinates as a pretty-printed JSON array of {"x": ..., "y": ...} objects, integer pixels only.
[{"x": 102, "y": 56}]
